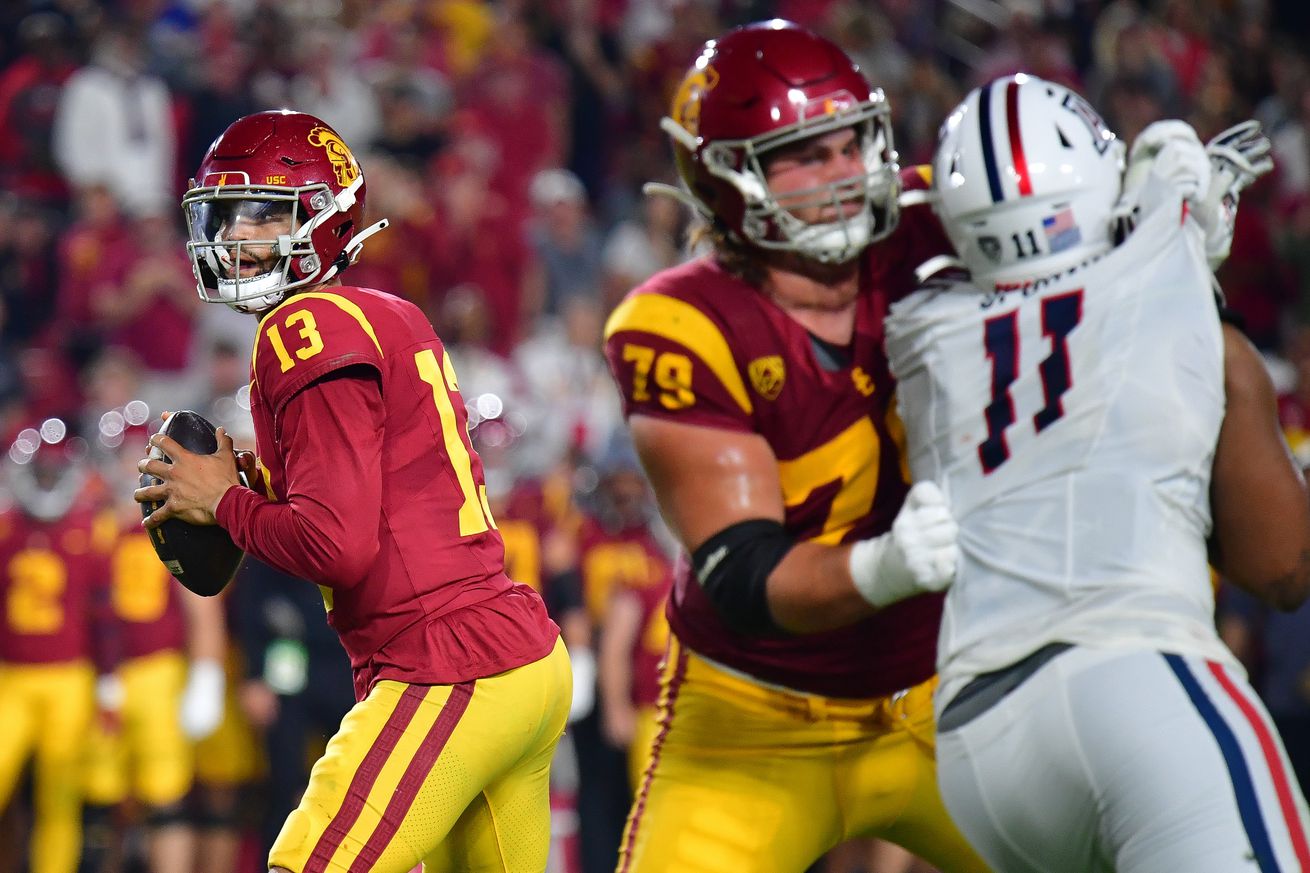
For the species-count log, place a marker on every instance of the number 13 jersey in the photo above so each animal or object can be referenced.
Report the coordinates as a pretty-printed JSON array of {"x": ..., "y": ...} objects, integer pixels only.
[
  {"x": 1072, "y": 424},
  {"x": 434, "y": 606}
]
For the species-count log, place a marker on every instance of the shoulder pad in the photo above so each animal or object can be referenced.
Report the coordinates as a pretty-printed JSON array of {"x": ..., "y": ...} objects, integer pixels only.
[
  {"x": 309, "y": 335},
  {"x": 668, "y": 355},
  {"x": 916, "y": 178}
]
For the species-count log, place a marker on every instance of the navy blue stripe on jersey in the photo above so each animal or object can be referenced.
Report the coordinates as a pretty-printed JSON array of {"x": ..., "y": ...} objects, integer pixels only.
[
  {"x": 1248, "y": 805},
  {"x": 988, "y": 149}
]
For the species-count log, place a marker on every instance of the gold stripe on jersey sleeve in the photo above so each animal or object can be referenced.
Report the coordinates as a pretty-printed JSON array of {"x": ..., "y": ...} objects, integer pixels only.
[
  {"x": 686, "y": 325},
  {"x": 349, "y": 307},
  {"x": 925, "y": 173}
]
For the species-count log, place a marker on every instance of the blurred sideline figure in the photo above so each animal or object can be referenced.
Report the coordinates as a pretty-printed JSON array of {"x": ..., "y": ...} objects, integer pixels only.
[
  {"x": 171, "y": 677},
  {"x": 58, "y": 640}
]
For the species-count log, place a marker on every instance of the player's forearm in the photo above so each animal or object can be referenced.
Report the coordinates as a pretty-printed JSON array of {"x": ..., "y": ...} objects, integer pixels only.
[
  {"x": 299, "y": 539},
  {"x": 811, "y": 590},
  {"x": 325, "y": 528}
]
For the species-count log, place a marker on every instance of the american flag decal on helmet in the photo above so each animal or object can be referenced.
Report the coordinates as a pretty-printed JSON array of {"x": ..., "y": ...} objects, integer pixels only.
[{"x": 1061, "y": 230}]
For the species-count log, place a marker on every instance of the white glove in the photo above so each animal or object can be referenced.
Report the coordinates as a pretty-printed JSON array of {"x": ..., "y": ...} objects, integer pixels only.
[
  {"x": 1238, "y": 156},
  {"x": 1167, "y": 161},
  {"x": 201, "y": 711},
  {"x": 584, "y": 683},
  {"x": 918, "y": 554},
  {"x": 109, "y": 692}
]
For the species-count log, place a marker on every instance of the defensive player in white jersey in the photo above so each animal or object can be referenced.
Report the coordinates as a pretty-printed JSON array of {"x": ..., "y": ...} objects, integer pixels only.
[{"x": 1068, "y": 395}]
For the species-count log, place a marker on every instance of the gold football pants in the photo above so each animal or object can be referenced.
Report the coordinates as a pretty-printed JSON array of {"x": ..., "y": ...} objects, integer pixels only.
[
  {"x": 453, "y": 776},
  {"x": 754, "y": 779},
  {"x": 45, "y": 710}
]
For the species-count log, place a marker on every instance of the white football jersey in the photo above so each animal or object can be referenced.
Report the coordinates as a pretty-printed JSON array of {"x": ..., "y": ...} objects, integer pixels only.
[{"x": 1072, "y": 425}]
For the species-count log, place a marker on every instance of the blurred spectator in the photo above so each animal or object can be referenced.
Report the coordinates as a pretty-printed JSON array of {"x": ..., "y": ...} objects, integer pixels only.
[
  {"x": 152, "y": 311},
  {"x": 412, "y": 113},
  {"x": 566, "y": 370},
  {"x": 620, "y": 555},
  {"x": 219, "y": 95},
  {"x": 636, "y": 249},
  {"x": 110, "y": 382},
  {"x": 473, "y": 240},
  {"x": 464, "y": 325},
  {"x": 1292, "y": 239},
  {"x": 29, "y": 96},
  {"x": 29, "y": 270},
  {"x": 328, "y": 87},
  {"x": 11, "y": 386},
  {"x": 597, "y": 86},
  {"x": 565, "y": 239},
  {"x": 516, "y": 99},
  {"x": 400, "y": 258},
  {"x": 114, "y": 124},
  {"x": 1291, "y": 142}
]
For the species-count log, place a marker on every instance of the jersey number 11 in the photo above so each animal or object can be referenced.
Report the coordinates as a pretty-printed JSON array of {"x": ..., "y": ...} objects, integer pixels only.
[{"x": 1060, "y": 315}]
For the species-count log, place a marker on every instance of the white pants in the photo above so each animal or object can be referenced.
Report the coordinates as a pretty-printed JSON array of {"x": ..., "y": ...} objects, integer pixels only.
[{"x": 1127, "y": 761}]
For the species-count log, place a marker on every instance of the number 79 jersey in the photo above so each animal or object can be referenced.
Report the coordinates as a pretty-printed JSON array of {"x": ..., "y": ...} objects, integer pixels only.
[{"x": 1072, "y": 424}]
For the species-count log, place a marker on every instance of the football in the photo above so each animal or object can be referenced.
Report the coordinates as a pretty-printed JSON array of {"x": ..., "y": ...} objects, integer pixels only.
[{"x": 202, "y": 557}]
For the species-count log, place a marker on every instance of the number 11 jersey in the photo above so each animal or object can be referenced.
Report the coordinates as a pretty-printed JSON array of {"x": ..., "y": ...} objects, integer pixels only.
[{"x": 1072, "y": 424}]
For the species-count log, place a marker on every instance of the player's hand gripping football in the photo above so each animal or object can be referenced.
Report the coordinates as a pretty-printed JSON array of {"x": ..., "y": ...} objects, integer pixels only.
[
  {"x": 919, "y": 554},
  {"x": 192, "y": 484}
]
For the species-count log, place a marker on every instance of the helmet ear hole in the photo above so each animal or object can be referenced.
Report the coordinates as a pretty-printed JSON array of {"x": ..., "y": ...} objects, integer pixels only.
[{"x": 1064, "y": 140}]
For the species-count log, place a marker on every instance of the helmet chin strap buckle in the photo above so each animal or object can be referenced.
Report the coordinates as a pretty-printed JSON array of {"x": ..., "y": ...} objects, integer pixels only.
[{"x": 356, "y": 243}]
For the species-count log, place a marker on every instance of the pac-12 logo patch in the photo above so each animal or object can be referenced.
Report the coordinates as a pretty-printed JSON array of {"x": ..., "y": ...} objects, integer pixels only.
[
  {"x": 767, "y": 375},
  {"x": 991, "y": 247}
]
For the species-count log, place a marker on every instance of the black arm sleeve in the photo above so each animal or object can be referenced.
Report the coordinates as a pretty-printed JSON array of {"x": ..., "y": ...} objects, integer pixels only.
[{"x": 733, "y": 568}]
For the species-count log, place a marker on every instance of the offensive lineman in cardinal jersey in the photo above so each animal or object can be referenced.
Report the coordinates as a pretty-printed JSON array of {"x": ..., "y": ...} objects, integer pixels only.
[
  {"x": 795, "y": 712},
  {"x": 1069, "y": 398},
  {"x": 371, "y": 489}
]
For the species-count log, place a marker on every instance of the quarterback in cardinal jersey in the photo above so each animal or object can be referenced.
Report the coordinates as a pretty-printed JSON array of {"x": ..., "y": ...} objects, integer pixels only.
[{"x": 369, "y": 487}]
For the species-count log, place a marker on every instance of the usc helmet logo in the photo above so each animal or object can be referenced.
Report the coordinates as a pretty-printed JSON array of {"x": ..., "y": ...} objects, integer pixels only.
[
  {"x": 343, "y": 162},
  {"x": 686, "y": 103}
]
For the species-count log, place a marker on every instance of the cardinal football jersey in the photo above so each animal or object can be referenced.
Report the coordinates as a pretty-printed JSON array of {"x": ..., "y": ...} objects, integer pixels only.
[
  {"x": 436, "y": 606},
  {"x": 1072, "y": 424},
  {"x": 53, "y": 577},
  {"x": 699, "y": 346},
  {"x": 145, "y": 598}
]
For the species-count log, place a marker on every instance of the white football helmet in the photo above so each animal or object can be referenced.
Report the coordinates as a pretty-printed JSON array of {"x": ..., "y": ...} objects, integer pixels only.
[{"x": 1025, "y": 177}]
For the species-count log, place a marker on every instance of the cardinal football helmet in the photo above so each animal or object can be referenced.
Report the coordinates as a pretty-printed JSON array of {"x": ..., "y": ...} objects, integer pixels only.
[
  {"x": 767, "y": 85},
  {"x": 47, "y": 470},
  {"x": 1025, "y": 178},
  {"x": 264, "y": 168}
]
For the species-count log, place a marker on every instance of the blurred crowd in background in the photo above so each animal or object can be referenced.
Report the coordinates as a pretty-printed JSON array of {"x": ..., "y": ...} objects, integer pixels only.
[{"x": 507, "y": 142}]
